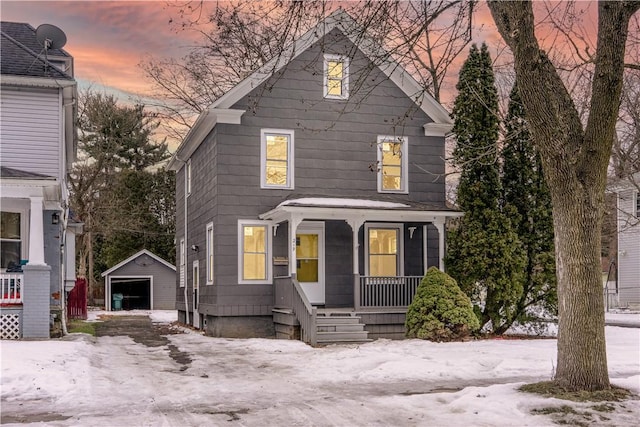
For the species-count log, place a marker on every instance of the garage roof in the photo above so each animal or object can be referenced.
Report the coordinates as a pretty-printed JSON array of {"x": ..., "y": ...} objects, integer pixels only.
[{"x": 136, "y": 255}]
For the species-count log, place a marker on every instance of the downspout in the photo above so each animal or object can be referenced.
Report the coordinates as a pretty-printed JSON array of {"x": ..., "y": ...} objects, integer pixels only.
[
  {"x": 63, "y": 269},
  {"x": 186, "y": 300}
]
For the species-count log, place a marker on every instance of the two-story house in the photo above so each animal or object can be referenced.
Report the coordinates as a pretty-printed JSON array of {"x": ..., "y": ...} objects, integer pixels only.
[
  {"x": 37, "y": 148},
  {"x": 312, "y": 195},
  {"x": 626, "y": 289}
]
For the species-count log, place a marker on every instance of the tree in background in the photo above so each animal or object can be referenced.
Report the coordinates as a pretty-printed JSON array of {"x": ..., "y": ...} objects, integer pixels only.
[
  {"x": 575, "y": 156},
  {"x": 125, "y": 202},
  {"x": 425, "y": 37},
  {"x": 484, "y": 254},
  {"x": 526, "y": 196}
]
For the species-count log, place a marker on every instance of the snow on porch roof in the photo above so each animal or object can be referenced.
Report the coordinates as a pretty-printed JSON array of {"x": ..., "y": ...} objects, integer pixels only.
[
  {"x": 344, "y": 203},
  {"x": 364, "y": 209}
]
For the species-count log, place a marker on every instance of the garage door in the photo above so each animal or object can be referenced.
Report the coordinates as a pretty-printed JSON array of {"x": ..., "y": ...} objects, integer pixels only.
[{"x": 136, "y": 293}]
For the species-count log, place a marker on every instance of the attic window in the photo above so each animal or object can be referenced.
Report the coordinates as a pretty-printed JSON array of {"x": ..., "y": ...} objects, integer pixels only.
[{"x": 336, "y": 77}]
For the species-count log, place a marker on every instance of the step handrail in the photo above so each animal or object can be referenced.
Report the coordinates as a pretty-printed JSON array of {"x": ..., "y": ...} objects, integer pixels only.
[{"x": 305, "y": 313}]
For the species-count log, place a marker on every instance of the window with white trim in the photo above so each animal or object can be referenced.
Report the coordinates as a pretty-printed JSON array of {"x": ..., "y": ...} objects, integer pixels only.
[
  {"x": 336, "y": 77},
  {"x": 188, "y": 177},
  {"x": 11, "y": 237},
  {"x": 276, "y": 158},
  {"x": 183, "y": 261},
  {"x": 254, "y": 252},
  {"x": 393, "y": 164},
  {"x": 384, "y": 250},
  {"x": 209, "y": 238}
]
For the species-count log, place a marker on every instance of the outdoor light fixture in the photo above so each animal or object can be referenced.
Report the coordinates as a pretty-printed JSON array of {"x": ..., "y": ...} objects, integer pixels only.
[
  {"x": 55, "y": 218},
  {"x": 195, "y": 248}
]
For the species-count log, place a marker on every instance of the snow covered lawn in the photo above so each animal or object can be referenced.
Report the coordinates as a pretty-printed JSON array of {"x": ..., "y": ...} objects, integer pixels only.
[{"x": 113, "y": 381}]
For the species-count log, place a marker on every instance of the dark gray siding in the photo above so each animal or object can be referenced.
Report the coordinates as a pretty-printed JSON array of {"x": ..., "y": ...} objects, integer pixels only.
[
  {"x": 338, "y": 264},
  {"x": 413, "y": 251},
  {"x": 335, "y": 153}
]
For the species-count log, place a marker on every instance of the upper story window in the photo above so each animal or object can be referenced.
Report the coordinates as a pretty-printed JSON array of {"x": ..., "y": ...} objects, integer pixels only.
[
  {"x": 336, "y": 77},
  {"x": 392, "y": 164},
  {"x": 209, "y": 253},
  {"x": 10, "y": 238},
  {"x": 254, "y": 252},
  {"x": 188, "y": 177},
  {"x": 276, "y": 158},
  {"x": 637, "y": 204}
]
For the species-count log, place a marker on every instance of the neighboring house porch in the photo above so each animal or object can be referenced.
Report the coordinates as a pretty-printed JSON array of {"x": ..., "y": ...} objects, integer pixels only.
[{"x": 29, "y": 275}]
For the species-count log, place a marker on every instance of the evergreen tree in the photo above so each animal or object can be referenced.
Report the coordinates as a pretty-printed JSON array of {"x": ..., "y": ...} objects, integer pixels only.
[
  {"x": 123, "y": 205},
  {"x": 526, "y": 196},
  {"x": 485, "y": 255}
]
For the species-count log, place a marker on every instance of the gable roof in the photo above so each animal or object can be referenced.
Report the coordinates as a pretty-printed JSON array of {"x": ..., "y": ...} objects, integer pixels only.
[
  {"x": 220, "y": 111},
  {"x": 136, "y": 255},
  {"x": 21, "y": 53}
]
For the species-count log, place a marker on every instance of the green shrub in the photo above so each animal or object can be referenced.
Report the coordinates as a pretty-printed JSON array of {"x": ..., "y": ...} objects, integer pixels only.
[{"x": 440, "y": 311}]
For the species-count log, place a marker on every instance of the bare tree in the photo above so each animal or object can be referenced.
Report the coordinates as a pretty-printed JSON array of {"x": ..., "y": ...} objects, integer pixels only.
[
  {"x": 575, "y": 159},
  {"x": 237, "y": 38}
]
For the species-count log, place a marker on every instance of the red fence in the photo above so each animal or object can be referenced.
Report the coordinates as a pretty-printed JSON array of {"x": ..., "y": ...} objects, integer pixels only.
[{"x": 77, "y": 303}]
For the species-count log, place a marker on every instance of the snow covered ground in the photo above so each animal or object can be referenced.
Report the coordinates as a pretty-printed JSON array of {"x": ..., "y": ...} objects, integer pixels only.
[{"x": 113, "y": 381}]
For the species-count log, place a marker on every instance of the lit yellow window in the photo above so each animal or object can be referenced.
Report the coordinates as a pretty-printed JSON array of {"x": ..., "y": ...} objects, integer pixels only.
[
  {"x": 254, "y": 252},
  {"x": 336, "y": 77},
  {"x": 277, "y": 160},
  {"x": 391, "y": 166},
  {"x": 335, "y": 73},
  {"x": 383, "y": 252}
]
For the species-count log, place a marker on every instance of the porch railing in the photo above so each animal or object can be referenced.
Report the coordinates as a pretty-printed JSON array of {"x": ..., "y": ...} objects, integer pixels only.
[
  {"x": 388, "y": 292},
  {"x": 11, "y": 288},
  {"x": 305, "y": 313}
]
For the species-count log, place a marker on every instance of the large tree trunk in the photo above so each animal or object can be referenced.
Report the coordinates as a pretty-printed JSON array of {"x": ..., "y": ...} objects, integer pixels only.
[
  {"x": 575, "y": 166},
  {"x": 577, "y": 218}
]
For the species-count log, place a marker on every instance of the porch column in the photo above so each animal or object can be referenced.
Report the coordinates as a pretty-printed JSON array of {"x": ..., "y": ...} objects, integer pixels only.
[
  {"x": 439, "y": 224},
  {"x": 36, "y": 232},
  {"x": 355, "y": 224},
  {"x": 294, "y": 222}
]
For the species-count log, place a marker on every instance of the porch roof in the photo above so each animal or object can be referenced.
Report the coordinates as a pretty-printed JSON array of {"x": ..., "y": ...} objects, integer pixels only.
[{"x": 359, "y": 210}]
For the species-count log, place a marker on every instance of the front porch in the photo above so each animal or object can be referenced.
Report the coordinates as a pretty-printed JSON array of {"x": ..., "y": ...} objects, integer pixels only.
[{"x": 355, "y": 258}]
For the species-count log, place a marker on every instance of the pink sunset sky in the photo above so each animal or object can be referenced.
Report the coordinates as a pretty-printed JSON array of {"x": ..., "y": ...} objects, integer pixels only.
[{"x": 109, "y": 39}]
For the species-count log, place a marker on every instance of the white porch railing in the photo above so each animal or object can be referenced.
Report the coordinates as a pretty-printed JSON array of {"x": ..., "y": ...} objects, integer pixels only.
[
  {"x": 11, "y": 288},
  {"x": 388, "y": 292}
]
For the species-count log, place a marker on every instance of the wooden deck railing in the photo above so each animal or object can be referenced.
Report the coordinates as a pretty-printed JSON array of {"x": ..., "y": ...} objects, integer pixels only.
[
  {"x": 305, "y": 313},
  {"x": 388, "y": 292},
  {"x": 11, "y": 288}
]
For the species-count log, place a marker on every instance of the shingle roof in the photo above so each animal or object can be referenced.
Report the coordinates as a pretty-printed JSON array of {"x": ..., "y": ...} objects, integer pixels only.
[{"x": 20, "y": 53}]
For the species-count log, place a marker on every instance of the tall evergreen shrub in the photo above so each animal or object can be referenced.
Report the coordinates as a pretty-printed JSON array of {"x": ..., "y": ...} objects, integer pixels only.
[{"x": 485, "y": 254}]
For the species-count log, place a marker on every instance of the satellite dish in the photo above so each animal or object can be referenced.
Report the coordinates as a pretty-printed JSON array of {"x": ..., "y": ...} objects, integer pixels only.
[{"x": 50, "y": 36}]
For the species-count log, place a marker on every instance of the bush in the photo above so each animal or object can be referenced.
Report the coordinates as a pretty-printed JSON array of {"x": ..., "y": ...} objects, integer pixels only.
[{"x": 440, "y": 311}]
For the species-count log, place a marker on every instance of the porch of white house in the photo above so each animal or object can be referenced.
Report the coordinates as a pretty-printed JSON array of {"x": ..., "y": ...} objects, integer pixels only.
[{"x": 25, "y": 296}]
